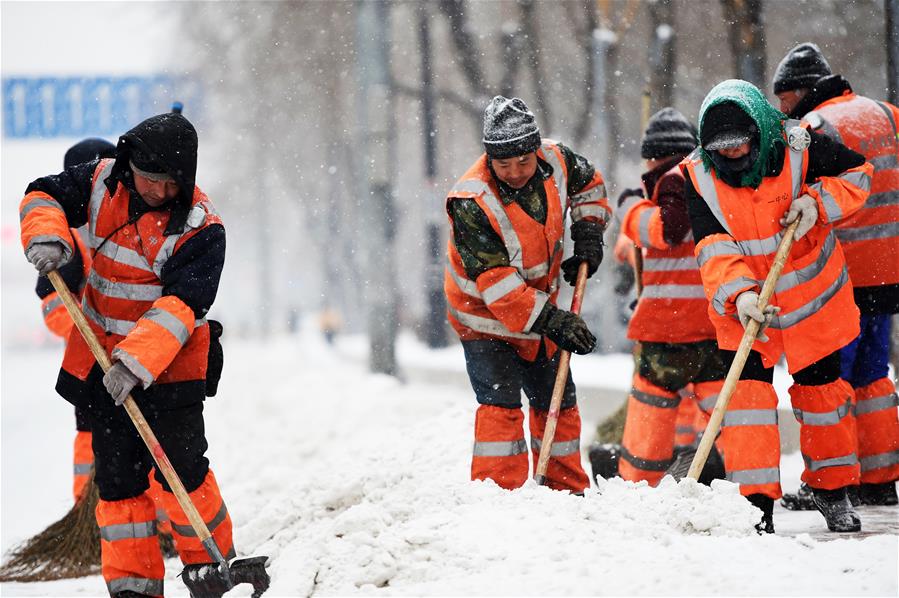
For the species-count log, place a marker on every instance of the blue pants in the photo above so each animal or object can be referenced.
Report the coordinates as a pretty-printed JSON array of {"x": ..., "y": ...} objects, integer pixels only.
[
  {"x": 498, "y": 375},
  {"x": 867, "y": 358}
]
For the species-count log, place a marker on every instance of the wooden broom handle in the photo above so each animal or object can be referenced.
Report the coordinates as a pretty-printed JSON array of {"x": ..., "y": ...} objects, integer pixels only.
[
  {"x": 552, "y": 418},
  {"x": 143, "y": 428},
  {"x": 736, "y": 368}
]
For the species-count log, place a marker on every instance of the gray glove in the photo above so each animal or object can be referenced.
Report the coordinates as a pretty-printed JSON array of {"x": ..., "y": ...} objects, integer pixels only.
[
  {"x": 805, "y": 208},
  {"x": 748, "y": 309},
  {"x": 119, "y": 381},
  {"x": 46, "y": 257}
]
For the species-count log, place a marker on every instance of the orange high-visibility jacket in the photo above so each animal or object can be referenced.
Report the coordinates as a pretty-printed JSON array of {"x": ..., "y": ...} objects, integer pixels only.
[
  {"x": 158, "y": 337},
  {"x": 870, "y": 237},
  {"x": 56, "y": 317},
  {"x": 673, "y": 307},
  {"x": 818, "y": 313},
  {"x": 504, "y": 302}
]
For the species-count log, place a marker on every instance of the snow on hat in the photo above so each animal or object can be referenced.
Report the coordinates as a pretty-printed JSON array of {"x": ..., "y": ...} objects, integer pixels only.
[
  {"x": 509, "y": 128},
  {"x": 88, "y": 150},
  {"x": 668, "y": 133},
  {"x": 800, "y": 68},
  {"x": 726, "y": 125}
]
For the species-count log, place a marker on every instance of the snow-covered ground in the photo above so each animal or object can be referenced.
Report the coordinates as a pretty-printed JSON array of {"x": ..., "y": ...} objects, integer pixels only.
[{"x": 358, "y": 484}]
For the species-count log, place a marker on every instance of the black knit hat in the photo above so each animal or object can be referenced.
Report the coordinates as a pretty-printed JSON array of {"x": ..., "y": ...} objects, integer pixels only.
[
  {"x": 509, "y": 129},
  {"x": 668, "y": 133},
  {"x": 88, "y": 150},
  {"x": 146, "y": 161},
  {"x": 726, "y": 125},
  {"x": 800, "y": 68}
]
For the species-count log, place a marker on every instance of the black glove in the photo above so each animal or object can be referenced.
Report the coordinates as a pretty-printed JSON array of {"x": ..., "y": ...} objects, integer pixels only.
[
  {"x": 629, "y": 193},
  {"x": 587, "y": 237},
  {"x": 566, "y": 329}
]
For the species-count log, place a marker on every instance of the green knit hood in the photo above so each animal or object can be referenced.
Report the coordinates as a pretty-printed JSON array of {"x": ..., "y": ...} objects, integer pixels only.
[{"x": 768, "y": 119}]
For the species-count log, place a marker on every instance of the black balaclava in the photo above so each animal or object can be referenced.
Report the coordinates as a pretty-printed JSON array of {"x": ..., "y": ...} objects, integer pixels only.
[{"x": 730, "y": 117}]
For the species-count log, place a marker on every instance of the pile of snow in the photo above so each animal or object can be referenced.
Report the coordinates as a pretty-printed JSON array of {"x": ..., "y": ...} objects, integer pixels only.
[{"x": 357, "y": 484}]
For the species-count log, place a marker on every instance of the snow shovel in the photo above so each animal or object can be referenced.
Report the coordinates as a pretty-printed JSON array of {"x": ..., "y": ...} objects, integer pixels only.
[
  {"x": 208, "y": 580},
  {"x": 736, "y": 368},
  {"x": 552, "y": 418}
]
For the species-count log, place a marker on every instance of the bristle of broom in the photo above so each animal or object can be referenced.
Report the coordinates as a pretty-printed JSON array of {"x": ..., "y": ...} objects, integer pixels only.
[
  {"x": 68, "y": 548},
  {"x": 611, "y": 429}
]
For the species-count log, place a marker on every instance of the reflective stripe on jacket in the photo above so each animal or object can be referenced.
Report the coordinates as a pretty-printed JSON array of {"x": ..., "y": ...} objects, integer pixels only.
[
  {"x": 56, "y": 317},
  {"x": 504, "y": 302},
  {"x": 673, "y": 307},
  {"x": 818, "y": 313},
  {"x": 870, "y": 237}
]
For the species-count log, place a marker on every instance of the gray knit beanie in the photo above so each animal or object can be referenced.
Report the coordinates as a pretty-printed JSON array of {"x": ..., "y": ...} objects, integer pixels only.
[
  {"x": 668, "y": 133},
  {"x": 509, "y": 129}
]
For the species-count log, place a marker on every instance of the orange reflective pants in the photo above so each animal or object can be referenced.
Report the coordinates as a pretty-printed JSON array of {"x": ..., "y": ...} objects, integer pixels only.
[
  {"x": 129, "y": 546},
  {"x": 878, "y": 431},
  {"x": 564, "y": 470}
]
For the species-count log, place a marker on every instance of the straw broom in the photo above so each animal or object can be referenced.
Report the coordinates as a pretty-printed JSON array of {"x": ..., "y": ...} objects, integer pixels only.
[{"x": 69, "y": 547}]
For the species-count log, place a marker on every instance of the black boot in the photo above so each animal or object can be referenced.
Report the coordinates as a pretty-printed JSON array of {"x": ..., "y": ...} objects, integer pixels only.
[
  {"x": 801, "y": 501},
  {"x": 604, "y": 460},
  {"x": 766, "y": 505},
  {"x": 837, "y": 510},
  {"x": 878, "y": 494},
  {"x": 683, "y": 459},
  {"x": 130, "y": 594}
]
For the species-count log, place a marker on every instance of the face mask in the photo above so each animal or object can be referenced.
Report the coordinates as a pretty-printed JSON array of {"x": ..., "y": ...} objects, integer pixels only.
[{"x": 735, "y": 166}]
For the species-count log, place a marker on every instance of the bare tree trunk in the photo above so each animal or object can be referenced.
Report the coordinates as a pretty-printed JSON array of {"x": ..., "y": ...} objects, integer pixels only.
[
  {"x": 466, "y": 46},
  {"x": 746, "y": 33},
  {"x": 435, "y": 320},
  {"x": 377, "y": 142},
  {"x": 264, "y": 255},
  {"x": 512, "y": 47},
  {"x": 605, "y": 48},
  {"x": 892, "y": 34},
  {"x": 585, "y": 120},
  {"x": 529, "y": 29},
  {"x": 662, "y": 53}
]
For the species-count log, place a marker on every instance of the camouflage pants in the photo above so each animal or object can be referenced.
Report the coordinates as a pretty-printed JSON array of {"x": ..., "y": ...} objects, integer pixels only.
[{"x": 673, "y": 366}]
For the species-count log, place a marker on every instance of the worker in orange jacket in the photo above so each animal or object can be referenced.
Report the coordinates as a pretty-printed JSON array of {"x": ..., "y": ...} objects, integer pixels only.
[
  {"x": 807, "y": 89},
  {"x": 670, "y": 322},
  {"x": 158, "y": 248},
  {"x": 755, "y": 173},
  {"x": 507, "y": 215}
]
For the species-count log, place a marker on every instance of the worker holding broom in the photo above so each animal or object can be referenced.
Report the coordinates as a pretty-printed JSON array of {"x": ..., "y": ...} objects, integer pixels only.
[
  {"x": 808, "y": 89},
  {"x": 507, "y": 215},
  {"x": 754, "y": 173},
  {"x": 158, "y": 249},
  {"x": 75, "y": 273}
]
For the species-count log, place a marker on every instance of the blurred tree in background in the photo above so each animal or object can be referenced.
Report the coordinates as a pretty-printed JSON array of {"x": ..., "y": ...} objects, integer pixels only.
[{"x": 283, "y": 81}]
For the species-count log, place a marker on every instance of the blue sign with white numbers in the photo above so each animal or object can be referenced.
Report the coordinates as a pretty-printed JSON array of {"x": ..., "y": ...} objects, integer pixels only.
[{"x": 88, "y": 106}]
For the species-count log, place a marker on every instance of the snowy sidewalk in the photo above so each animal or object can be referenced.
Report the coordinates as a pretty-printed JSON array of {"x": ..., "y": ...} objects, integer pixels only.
[{"x": 358, "y": 484}]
